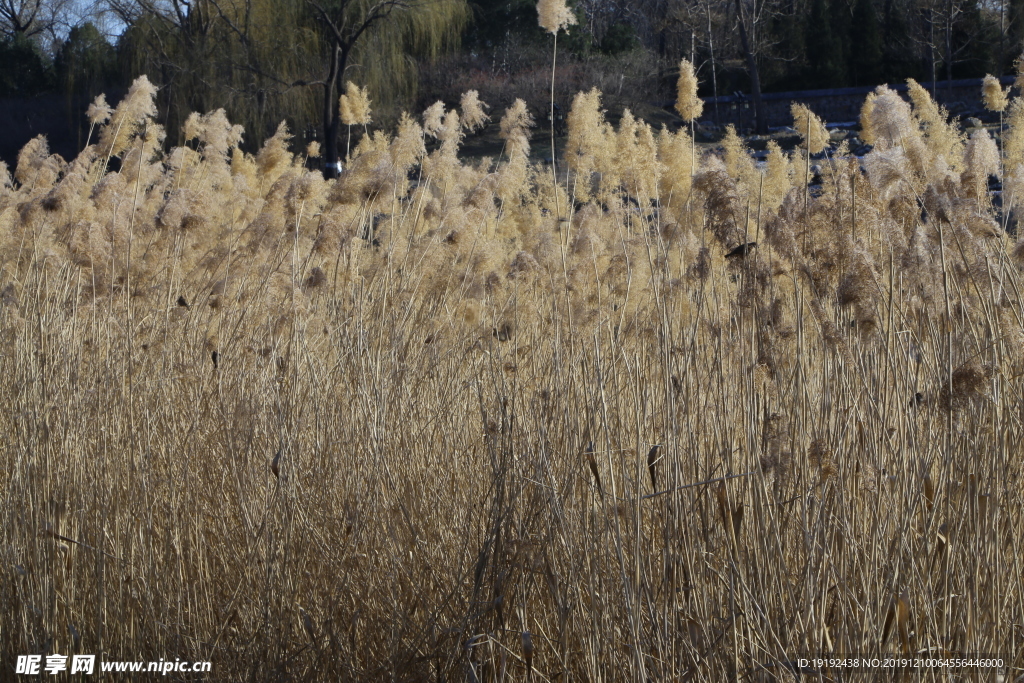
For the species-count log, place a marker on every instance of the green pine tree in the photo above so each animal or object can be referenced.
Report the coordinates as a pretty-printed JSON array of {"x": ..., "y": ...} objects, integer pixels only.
[
  {"x": 824, "y": 48},
  {"x": 24, "y": 68},
  {"x": 866, "y": 38},
  {"x": 840, "y": 16},
  {"x": 86, "y": 62},
  {"x": 901, "y": 58}
]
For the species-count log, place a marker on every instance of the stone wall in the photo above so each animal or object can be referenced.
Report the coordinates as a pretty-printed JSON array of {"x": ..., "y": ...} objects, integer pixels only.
[
  {"x": 838, "y": 105},
  {"x": 60, "y": 118}
]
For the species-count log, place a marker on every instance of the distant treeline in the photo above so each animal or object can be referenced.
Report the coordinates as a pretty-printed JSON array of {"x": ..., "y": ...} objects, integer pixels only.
[{"x": 268, "y": 60}]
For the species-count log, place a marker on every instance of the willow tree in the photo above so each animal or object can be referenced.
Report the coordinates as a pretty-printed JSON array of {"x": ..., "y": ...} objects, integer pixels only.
[
  {"x": 378, "y": 35},
  {"x": 291, "y": 59},
  {"x": 189, "y": 48}
]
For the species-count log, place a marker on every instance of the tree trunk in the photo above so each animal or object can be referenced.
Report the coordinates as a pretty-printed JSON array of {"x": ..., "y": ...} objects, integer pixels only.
[
  {"x": 714, "y": 68},
  {"x": 332, "y": 111},
  {"x": 1002, "y": 37},
  {"x": 660, "y": 12},
  {"x": 949, "y": 46},
  {"x": 931, "y": 54},
  {"x": 760, "y": 125}
]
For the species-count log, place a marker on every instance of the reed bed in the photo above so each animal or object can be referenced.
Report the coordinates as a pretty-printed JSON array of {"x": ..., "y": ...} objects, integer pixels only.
[{"x": 673, "y": 417}]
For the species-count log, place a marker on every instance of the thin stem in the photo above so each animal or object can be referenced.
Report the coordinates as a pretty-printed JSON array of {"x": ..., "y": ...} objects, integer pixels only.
[{"x": 554, "y": 172}]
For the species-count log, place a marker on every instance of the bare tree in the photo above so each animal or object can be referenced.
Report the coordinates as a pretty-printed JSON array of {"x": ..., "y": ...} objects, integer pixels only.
[
  {"x": 343, "y": 29},
  {"x": 265, "y": 47},
  {"x": 717, "y": 24},
  {"x": 21, "y": 17},
  {"x": 749, "y": 14},
  {"x": 45, "y": 20},
  {"x": 939, "y": 23}
]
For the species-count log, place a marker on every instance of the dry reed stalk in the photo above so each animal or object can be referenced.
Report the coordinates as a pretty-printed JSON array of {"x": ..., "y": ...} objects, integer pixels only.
[
  {"x": 465, "y": 445},
  {"x": 528, "y": 654}
]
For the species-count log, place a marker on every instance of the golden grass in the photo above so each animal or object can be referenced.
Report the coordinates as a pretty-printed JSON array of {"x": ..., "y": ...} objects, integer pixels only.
[{"x": 396, "y": 426}]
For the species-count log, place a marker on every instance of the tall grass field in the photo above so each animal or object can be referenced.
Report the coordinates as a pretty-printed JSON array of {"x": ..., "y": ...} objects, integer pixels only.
[{"x": 656, "y": 413}]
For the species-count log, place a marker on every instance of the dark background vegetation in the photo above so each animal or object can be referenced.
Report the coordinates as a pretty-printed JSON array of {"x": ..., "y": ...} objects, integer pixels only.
[{"x": 268, "y": 60}]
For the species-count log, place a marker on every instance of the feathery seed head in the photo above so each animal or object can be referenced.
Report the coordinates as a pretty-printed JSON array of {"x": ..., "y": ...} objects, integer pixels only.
[
  {"x": 890, "y": 119},
  {"x": 778, "y": 176},
  {"x": 1018, "y": 64},
  {"x": 514, "y": 126},
  {"x": 99, "y": 111},
  {"x": 275, "y": 157},
  {"x": 473, "y": 115},
  {"x": 982, "y": 155},
  {"x": 885, "y": 168},
  {"x": 407, "y": 148},
  {"x": 678, "y": 160},
  {"x": 214, "y": 132},
  {"x": 688, "y": 104},
  {"x": 925, "y": 108},
  {"x": 554, "y": 15},
  {"x": 192, "y": 127},
  {"x": 942, "y": 138},
  {"x": 993, "y": 94},
  {"x": 810, "y": 128},
  {"x": 355, "y": 105},
  {"x": 1013, "y": 138},
  {"x": 587, "y": 148},
  {"x": 129, "y": 116},
  {"x": 893, "y": 125},
  {"x": 433, "y": 119},
  {"x": 1018, "y": 252},
  {"x": 35, "y": 164},
  {"x": 737, "y": 159},
  {"x": 866, "y": 123},
  {"x": 451, "y": 130}
]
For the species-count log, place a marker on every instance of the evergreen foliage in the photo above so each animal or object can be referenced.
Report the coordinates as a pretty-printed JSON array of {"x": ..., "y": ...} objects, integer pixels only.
[
  {"x": 24, "y": 69},
  {"x": 86, "y": 62},
  {"x": 865, "y": 34},
  {"x": 824, "y": 48},
  {"x": 265, "y": 61}
]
